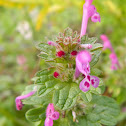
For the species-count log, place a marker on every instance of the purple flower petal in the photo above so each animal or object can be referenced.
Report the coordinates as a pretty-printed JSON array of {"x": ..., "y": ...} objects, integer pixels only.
[
  {"x": 84, "y": 85},
  {"x": 95, "y": 81}
]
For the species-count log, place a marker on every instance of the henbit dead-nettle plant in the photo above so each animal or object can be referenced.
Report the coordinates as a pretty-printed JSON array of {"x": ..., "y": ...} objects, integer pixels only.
[{"x": 69, "y": 91}]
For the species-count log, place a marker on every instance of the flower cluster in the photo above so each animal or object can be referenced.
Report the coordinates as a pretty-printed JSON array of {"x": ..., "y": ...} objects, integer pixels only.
[
  {"x": 82, "y": 66},
  {"x": 51, "y": 115},
  {"x": 107, "y": 45},
  {"x": 89, "y": 10},
  {"x": 18, "y": 99}
]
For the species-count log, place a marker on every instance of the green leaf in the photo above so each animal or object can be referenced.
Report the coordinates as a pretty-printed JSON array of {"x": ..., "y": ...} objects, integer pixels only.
[
  {"x": 41, "y": 80},
  {"x": 86, "y": 40},
  {"x": 46, "y": 57},
  {"x": 96, "y": 72},
  {"x": 96, "y": 46},
  {"x": 104, "y": 112},
  {"x": 106, "y": 108},
  {"x": 46, "y": 48},
  {"x": 45, "y": 72},
  {"x": 60, "y": 60},
  {"x": 61, "y": 122},
  {"x": 36, "y": 100},
  {"x": 35, "y": 114},
  {"x": 87, "y": 97},
  {"x": 95, "y": 58},
  {"x": 65, "y": 97},
  {"x": 92, "y": 40},
  {"x": 47, "y": 87}
]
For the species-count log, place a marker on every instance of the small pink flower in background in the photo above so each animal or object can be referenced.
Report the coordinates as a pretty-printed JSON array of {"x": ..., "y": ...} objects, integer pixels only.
[
  {"x": 18, "y": 99},
  {"x": 114, "y": 61},
  {"x": 106, "y": 42},
  {"x": 51, "y": 115},
  {"x": 87, "y": 81},
  {"x": 96, "y": 17},
  {"x": 124, "y": 109},
  {"x": 21, "y": 60},
  {"x": 107, "y": 45},
  {"x": 82, "y": 63}
]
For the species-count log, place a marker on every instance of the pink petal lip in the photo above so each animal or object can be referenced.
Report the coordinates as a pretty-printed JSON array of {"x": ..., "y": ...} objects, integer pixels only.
[
  {"x": 96, "y": 17},
  {"x": 84, "y": 85},
  {"x": 95, "y": 81}
]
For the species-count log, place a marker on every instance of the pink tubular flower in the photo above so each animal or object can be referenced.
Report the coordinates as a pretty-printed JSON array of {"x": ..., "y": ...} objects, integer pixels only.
[
  {"x": 113, "y": 57},
  {"x": 82, "y": 63},
  {"x": 88, "y": 11},
  {"x": 87, "y": 81},
  {"x": 21, "y": 59},
  {"x": 114, "y": 61},
  {"x": 18, "y": 99},
  {"x": 51, "y": 115},
  {"x": 106, "y": 42}
]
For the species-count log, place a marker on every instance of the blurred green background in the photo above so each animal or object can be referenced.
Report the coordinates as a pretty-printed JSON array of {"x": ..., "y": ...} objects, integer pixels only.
[{"x": 24, "y": 23}]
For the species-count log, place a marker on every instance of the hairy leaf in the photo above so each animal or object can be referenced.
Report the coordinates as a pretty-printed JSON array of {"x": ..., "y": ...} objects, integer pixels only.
[
  {"x": 66, "y": 97},
  {"x": 35, "y": 114}
]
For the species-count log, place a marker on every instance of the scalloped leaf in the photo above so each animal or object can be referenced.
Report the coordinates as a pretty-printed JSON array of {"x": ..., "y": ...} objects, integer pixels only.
[
  {"x": 35, "y": 114},
  {"x": 95, "y": 57},
  {"x": 44, "y": 47},
  {"x": 86, "y": 40},
  {"x": 96, "y": 72},
  {"x": 87, "y": 97},
  {"x": 45, "y": 72},
  {"x": 104, "y": 112},
  {"x": 96, "y": 46},
  {"x": 47, "y": 87},
  {"x": 65, "y": 97}
]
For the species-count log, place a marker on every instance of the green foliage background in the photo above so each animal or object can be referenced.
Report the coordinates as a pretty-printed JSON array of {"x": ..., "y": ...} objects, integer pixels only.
[{"x": 51, "y": 17}]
